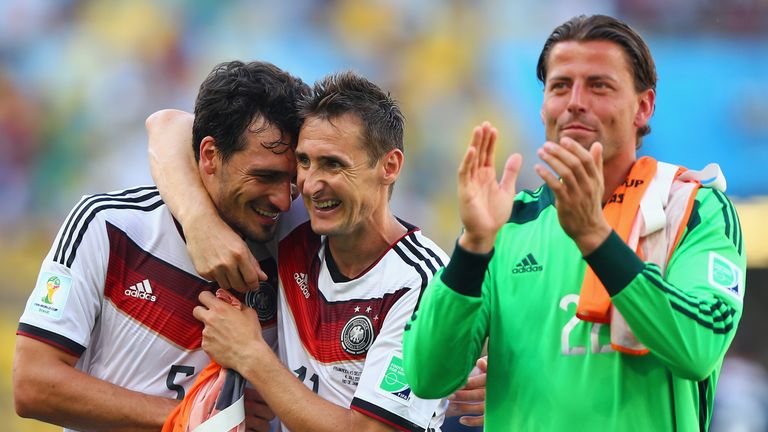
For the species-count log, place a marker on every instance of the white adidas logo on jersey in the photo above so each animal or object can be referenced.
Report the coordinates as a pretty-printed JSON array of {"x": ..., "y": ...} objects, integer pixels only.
[{"x": 142, "y": 290}]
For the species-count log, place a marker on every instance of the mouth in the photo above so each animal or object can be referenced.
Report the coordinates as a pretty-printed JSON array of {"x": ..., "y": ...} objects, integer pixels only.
[
  {"x": 326, "y": 205},
  {"x": 269, "y": 214},
  {"x": 577, "y": 127}
]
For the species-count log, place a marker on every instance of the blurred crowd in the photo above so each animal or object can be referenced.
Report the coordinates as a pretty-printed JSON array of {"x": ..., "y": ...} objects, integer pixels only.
[{"x": 78, "y": 78}]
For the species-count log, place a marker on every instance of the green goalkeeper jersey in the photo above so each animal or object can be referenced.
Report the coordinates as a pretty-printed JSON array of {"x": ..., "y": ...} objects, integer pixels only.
[{"x": 550, "y": 371}]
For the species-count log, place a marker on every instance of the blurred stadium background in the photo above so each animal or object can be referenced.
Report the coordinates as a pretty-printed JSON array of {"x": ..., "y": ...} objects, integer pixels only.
[{"x": 78, "y": 78}]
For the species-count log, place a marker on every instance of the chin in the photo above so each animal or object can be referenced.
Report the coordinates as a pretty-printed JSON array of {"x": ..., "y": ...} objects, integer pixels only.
[{"x": 261, "y": 235}]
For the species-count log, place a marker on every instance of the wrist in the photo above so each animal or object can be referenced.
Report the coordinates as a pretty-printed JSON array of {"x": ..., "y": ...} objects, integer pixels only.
[
  {"x": 478, "y": 244},
  {"x": 254, "y": 360},
  {"x": 592, "y": 239}
]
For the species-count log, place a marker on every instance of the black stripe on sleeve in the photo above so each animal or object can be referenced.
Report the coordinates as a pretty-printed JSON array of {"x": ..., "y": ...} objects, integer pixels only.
[
  {"x": 425, "y": 259},
  {"x": 54, "y": 339},
  {"x": 385, "y": 416},
  {"x": 401, "y": 253},
  {"x": 83, "y": 206},
  {"x": 726, "y": 216},
  {"x": 725, "y": 316},
  {"x": 68, "y": 259},
  {"x": 431, "y": 253}
]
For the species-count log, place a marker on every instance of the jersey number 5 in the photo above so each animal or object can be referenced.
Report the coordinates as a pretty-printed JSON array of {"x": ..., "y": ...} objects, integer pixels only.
[{"x": 169, "y": 380}]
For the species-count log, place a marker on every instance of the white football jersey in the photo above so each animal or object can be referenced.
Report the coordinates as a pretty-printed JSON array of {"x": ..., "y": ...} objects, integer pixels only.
[
  {"x": 343, "y": 337},
  {"x": 117, "y": 290}
]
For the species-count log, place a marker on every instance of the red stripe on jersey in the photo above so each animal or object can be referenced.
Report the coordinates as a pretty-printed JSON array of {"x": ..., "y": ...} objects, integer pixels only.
[
  {"x": 320, "y": 323},
  {"x": 174, "y": 291}
]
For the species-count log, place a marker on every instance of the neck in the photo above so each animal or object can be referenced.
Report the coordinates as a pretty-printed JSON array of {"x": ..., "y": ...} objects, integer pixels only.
[
  {"x": 616, "y": 171},
  {"x": 356, "y": 251}
]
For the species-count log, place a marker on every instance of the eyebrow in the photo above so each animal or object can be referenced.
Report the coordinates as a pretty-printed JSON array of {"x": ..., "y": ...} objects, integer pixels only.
[
  {"x": 259, "y": 172},
  {"x": 589, "y": 78},
  {"x": 324, "y": 159}
]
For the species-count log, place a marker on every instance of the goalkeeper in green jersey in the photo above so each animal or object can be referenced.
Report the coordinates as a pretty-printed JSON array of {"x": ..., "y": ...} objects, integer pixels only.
[{"x": 609, "y": 295}]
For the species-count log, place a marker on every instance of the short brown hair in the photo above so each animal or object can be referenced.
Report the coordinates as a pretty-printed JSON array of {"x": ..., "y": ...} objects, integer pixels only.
[{"x": 601, "y": 27}]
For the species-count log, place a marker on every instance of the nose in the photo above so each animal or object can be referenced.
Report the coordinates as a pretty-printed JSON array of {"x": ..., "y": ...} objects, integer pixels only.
[
  {"x": 309, "y": 180},
  {"x": 576, "y": 102},
  {"x": 280, "y": 196}
]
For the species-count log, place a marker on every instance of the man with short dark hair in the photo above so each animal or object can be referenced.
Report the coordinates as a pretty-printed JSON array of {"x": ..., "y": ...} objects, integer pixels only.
[
  {"x": 107, "y": 340},
  {"x": 349, "y": 277},
  {"x": 632, "y": 336}
]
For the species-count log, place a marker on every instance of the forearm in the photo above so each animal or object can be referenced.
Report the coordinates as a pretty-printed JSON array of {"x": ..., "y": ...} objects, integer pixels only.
[
  {"x": 293, "y": 403},
  {"x": 173, "y": 165},
  {"x": 60, "y": 394},
  {"x": 449, "y": 325}
]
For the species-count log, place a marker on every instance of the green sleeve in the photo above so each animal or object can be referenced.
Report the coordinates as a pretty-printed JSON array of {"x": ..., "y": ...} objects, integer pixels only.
[
  {"x": 445, "y": 335},
  {"x": 688, "y": 317}
]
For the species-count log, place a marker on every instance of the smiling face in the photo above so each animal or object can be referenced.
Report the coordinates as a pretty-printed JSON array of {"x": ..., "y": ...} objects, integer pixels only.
[
  {"x": 253, "y": 186},
  {"x": 589, "y": 95},
  {"x": 340, "y": 188}
]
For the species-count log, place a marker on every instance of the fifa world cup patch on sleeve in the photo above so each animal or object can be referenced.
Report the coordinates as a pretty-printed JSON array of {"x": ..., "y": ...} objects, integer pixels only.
[
  {"x": 725, "y": 275},
  {"x": 392, "y": 383},
  {"x": 50, "y": 295}
]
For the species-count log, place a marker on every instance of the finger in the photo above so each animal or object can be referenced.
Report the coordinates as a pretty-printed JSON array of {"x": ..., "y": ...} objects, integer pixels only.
[
  {"x": 555, "y": 164},
  {"x": 472, "y": 421},
  {"x": 482, "y": 153},
  {"x": 596, "y": 151},
  {"x": 585, "y": 158},
  {"x": 550, "y": 179},
  {"x": 477, "y": 144},
  {"x": 465, "y": 169},
  {"x": 255, "y": 424},
  {"x": 221, "y": 277},
  {"x": 200, "y": 313},
  {"x": 259, "y": 409},
  {"x": 207, "y": 299},
  {"x": 490, "y": 157},
  {"x": 476, "y": 382},
  {"x": 468, "y": 395},
  {"x": 464, "y": 409},
  {"x": 572, "y": 173},
  {"x": 482, "y": 364},
  {"x": 251, "y": 273},
  {"x": 511, "y": 171}
]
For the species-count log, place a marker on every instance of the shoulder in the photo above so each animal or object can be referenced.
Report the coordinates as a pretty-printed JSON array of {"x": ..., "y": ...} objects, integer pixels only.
[
  {"x": 417, "y": 256},
  {"x": 125, "y": 209}
]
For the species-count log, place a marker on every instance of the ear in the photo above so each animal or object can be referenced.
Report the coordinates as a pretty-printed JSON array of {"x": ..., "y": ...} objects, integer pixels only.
[
  {"x": 209, "y": 156},
  {"x": 646, "y": 107},
  {"x": 391, "y": 164},
  {"x": 541, "y": 115}
]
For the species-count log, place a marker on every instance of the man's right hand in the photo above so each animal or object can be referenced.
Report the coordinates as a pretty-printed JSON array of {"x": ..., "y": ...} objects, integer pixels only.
[
  {"x": 484, "y": 203},
  {"x": 217, "y": 252}
]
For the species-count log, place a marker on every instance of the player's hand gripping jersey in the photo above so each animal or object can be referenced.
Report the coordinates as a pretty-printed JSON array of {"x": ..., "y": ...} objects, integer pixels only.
[{"x": 343, "y": 337}]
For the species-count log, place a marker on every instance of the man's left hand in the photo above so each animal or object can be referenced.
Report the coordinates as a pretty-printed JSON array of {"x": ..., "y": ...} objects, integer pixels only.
[
  {"x": 469, "y": 401},
  {"x": 579, "y": 188},
  {"x": 230, "y": 333}
]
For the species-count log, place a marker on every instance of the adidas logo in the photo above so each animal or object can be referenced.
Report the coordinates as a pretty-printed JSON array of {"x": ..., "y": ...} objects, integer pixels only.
[
  {"x": 528, "y": 265},
  {"x": 303, "y": 281},
  {"x": 142, "y": 290}
]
